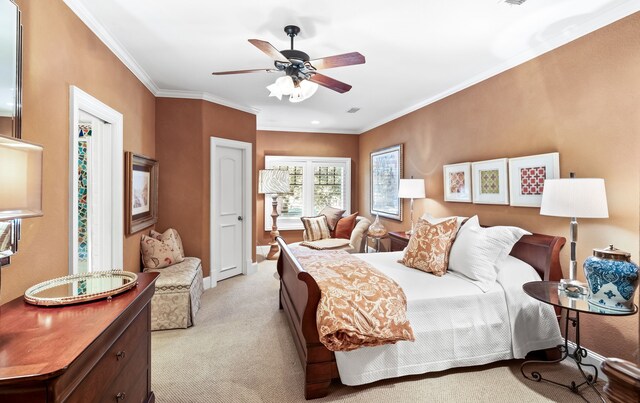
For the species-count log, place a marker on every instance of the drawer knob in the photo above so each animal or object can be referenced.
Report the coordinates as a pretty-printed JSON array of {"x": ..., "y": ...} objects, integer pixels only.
[
  {"x": 119, "y": 356},
  {"x": 120, "y": 396}
]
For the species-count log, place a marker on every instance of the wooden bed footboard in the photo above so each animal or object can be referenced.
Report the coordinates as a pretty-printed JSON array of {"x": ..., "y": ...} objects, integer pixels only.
[
  {"x": 299, "y": 297},
  {"x": 300, "y": 294}
]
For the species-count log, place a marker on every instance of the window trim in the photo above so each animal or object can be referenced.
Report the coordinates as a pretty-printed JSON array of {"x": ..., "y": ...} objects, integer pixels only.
[{"x": 287, "y": 224}]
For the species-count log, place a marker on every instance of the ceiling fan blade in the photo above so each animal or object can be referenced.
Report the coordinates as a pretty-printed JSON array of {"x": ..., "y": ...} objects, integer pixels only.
[
  {"x": 222, "y": 73},
  {"x": 269, "y": 50},
  {"x": 330, "y": 83},
  {"x": 329, "y": 62}
]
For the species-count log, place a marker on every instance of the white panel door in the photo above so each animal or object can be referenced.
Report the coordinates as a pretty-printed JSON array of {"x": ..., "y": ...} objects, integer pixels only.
[{"x": 229, "y": 182}]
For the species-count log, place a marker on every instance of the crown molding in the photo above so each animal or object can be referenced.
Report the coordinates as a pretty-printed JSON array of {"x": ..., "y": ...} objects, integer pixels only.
[
  {"x": 205, "y": 96},
  {"x": 602, "y": 20},
  {"x": 109, "y": 40},
  {"x": 306, "y": 130}
]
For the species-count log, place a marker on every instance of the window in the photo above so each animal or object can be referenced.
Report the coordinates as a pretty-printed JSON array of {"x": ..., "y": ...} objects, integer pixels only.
[{"x": 315, "y": 183}]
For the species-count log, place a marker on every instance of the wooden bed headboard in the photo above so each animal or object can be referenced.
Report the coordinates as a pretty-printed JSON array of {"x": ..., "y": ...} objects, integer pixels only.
[{"x": 543, "y": 253}]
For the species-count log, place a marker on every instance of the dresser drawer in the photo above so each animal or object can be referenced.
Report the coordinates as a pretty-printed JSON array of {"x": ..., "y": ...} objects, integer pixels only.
[
  {"x": 125, "y": 358},
  {"x": 130, "y": 387}
]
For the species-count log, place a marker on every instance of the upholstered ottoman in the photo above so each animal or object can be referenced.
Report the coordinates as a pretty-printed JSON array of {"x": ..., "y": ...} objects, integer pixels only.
[{"x": 177, "y": 298}]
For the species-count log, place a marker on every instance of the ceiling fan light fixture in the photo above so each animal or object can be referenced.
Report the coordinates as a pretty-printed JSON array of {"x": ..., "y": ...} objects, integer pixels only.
[
  {"x": 285, "y": 85},
  {"x": 297, "y": 95},
  {"x": 308, "y": 88},
  {"x": 274, "y": 91}
]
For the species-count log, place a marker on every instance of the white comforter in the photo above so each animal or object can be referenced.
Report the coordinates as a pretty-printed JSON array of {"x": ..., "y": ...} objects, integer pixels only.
[{"x": 455, "y": 323}]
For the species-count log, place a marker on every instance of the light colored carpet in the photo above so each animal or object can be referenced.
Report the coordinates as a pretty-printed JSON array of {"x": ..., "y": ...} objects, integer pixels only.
[{"x": 240, "y": 350}]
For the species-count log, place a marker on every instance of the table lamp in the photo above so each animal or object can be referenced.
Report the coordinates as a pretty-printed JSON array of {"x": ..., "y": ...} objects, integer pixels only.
[
  {"x": 411, "y": 189},
  {"x": 20, "y": 181},
  {"x": 575, "y": 198},
  {"x": 274, "y": 182}
]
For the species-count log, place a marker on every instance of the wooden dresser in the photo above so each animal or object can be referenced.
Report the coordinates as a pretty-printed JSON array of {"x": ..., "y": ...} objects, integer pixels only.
[
  {"x": 399, "y": 240},
  {"x": 94, "y": 352}
]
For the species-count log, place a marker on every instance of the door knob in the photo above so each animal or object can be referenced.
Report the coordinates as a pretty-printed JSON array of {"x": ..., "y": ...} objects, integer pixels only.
[{"x": 239, "y": 218}]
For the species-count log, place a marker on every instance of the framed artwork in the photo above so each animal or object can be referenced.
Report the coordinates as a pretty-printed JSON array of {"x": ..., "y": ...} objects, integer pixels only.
[
  {"x": 141, "y": 192},
  {"x": 457, "y": 182},
  {"x": 527, "y": 176},
  {"x": 386, "y": 171},
  {"x": 490, "y": 185}
]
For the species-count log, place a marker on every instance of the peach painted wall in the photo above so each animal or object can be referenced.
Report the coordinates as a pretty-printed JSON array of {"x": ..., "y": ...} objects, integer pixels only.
[
  {"x": 184, "y": 128},
  {"x": 59, "y": 51},
  {"x": 582, "y": 100},
  {"x": 303, "y": 144}
]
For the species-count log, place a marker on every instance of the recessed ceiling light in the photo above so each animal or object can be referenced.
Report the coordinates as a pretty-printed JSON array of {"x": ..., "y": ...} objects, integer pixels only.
[{"x": 315, "y": 122}]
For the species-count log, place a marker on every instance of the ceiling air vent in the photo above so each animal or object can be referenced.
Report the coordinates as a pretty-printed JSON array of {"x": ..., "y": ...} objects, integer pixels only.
[
  {"x": 516, "y": 2},
  {"x": 353, "y": 110}
]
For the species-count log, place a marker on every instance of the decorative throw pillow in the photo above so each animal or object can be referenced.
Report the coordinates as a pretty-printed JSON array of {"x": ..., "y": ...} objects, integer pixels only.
[
  {"x": 477, "y": 251},
  {"x": 345, "y": 226},
  {"x": 164, "y": 236},
  {"x": 157, "y": 254},
  {"x": 434, "y": 220},
  {"x": 429, "y": 246},
  {"x": 333, "y": 216},
  {"x": 316, "y": 227}
]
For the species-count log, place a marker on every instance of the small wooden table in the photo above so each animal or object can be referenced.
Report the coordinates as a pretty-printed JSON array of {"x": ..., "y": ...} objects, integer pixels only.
[
  {"x": 549, "y": 293},
  {"x": 399, "y": 240}
]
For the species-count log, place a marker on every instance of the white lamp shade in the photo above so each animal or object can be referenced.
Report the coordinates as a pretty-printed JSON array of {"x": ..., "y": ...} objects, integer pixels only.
[
  {"x": 20, "y": 179},
  {"x": 285, "y": 84},
  {"x": 273, "y": 181},
  {"x": 411, "y": 189},
  {"x": 574, "y": 197}
]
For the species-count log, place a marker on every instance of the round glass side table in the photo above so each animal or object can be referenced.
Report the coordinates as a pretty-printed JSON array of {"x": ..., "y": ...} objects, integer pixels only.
[{"x": 550, "y": 293}]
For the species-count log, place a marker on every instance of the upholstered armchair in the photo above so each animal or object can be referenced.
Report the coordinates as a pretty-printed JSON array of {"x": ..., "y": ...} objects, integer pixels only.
[{"x": 358, "y": 240}]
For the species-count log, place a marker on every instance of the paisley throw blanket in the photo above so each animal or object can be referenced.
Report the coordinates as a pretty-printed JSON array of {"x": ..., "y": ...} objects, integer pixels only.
[{"x": 359, "y": 306}]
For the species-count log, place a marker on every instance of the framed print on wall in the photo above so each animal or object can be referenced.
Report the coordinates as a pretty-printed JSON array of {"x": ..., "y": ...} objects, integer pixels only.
[
  {"x": 527, "y": 176},
  {"x": 490, "y": 185},
  {"x": 386, "y": 171},
  {"x": 457, "y": 182},
  {"x": 141, "y": 192}
]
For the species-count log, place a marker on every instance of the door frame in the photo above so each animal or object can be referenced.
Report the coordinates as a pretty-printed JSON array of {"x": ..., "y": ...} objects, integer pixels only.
[
  {"x": 247, "y": 177},
  {"x": 82, "y": 101}
]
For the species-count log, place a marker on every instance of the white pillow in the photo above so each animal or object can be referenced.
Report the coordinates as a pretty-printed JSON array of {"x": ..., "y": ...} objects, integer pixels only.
[{"x": 477, "y": 251}]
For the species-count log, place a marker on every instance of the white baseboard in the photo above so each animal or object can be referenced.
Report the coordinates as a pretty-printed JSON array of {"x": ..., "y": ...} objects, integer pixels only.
[
  {"x": 252, "y": 267},
  {"x": 206, "y": 282},
  {"x": 592, "y": 358}
]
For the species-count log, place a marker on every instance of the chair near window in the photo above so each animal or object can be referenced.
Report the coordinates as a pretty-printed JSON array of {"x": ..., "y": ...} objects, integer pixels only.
[{"x": 357, "y": 241}]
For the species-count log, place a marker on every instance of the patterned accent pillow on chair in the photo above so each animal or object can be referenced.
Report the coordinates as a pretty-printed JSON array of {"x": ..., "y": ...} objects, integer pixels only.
[
  {"x": 166, "y": 235},
  {"x": 429, "y": 246},
  {"x": 316, "y": 228},
  {"x": 157, "y": 254}
]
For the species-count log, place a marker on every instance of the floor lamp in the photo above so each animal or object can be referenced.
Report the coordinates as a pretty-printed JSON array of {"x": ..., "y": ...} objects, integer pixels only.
[
  {"x": 411, "y": 189},
  {"x": 574, "y": 198},
  {"x": 274, "y": 182}
]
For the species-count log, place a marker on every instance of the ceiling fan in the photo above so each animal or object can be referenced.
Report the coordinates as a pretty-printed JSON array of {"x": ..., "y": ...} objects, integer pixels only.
[{"x": 300, "y": 71}]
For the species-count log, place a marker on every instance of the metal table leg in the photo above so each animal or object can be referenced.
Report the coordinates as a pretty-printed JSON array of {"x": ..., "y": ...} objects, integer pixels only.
[{"x": 578, "y": 355}]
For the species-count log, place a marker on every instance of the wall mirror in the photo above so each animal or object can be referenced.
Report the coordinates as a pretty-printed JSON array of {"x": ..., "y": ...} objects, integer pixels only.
[{"x": 10, "y": 104}]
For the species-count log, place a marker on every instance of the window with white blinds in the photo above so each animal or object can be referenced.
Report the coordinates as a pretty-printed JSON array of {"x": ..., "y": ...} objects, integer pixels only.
[{"x": 315, "y": 182}]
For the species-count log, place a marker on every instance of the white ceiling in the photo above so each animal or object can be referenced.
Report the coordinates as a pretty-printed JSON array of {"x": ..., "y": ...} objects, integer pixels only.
[{"x": 417, "y": 51}]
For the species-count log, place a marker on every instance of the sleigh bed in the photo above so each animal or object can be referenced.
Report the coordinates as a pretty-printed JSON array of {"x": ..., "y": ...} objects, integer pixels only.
[{"x": 300, "y": 294}]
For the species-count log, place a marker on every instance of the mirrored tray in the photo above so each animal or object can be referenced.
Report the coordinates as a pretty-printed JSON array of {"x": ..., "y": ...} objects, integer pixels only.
[{"x": 79, "y": 288}]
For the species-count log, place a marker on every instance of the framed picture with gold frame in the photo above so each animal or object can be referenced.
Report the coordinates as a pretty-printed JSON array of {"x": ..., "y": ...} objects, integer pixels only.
[
  {"x": 141, "y": 192},
  {"x": 386, "y": 171}
]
